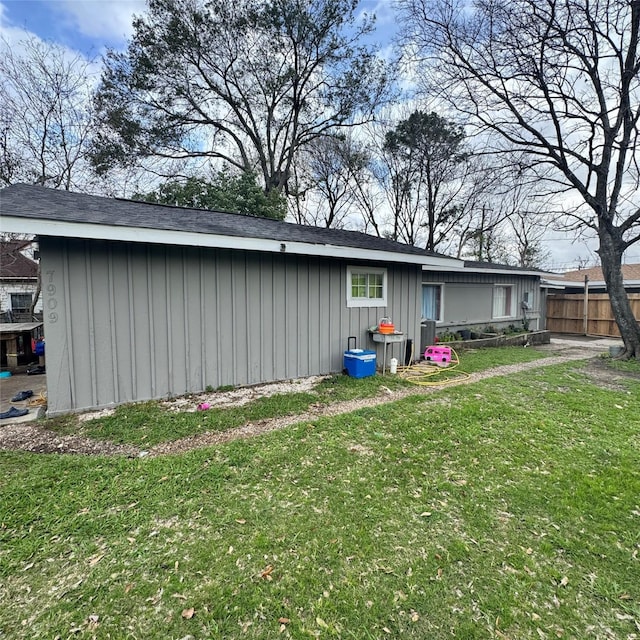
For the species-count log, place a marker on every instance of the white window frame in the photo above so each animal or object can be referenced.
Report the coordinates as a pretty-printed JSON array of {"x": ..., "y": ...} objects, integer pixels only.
[
  {"x": 506, "y": 287},
  {"x": 366, "y": 302},
  {"x": 441, "y": 285}
]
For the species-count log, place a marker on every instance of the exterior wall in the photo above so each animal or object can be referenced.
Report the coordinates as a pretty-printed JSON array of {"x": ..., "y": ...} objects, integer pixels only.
[
  {"x": 127, "y": 322},
  {"x": 467, "y": 299},
  {"x": 17, "y": 286}
]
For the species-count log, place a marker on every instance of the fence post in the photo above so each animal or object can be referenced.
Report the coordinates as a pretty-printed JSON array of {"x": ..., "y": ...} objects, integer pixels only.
[{"x": 586, "y": 305}]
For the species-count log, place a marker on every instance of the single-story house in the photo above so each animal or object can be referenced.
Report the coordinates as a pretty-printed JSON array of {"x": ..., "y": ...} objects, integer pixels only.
[
  {"x": 578, "y": 301},
  {"x": 482, "y": 296},
  {"x": 574, "y": 281},
  {"x": 18, "y": 281},
  {"x": 146, "y": 301}
]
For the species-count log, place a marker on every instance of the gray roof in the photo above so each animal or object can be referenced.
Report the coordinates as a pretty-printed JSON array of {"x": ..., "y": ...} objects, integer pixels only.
[
  {"x": 474, "y": 265},
  {"x": 40, "y": 203}
]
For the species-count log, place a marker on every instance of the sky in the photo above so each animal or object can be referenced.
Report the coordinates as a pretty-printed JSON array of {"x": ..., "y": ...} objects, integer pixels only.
[{"x": 90, "y": 27}]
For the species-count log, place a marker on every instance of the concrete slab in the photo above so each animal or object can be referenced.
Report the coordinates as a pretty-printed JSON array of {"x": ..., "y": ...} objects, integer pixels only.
[{"x": 20, "y": 381}]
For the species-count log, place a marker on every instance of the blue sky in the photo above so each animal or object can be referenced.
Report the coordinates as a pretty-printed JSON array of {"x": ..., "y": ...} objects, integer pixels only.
[
  {"x": 86, "y": 26},
  {"x": 90, "y": 26}
]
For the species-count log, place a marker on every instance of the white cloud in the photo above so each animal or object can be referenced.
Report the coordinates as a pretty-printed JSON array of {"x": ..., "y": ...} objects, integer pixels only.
[{"x": 100, "y": 19}]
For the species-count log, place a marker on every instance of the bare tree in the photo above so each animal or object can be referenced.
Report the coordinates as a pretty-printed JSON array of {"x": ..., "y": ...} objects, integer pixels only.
[
  {"x": 330, "y": 164},
  {"x": 45, "y": 114},
  {"x": 558, "y": 80}
]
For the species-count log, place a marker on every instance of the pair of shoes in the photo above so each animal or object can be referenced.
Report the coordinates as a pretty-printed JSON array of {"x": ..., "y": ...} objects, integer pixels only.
[
  {"x": 22, "y": 395},
  {"x": 14, "y": 412},
  {"x": 35, "y": 370}
]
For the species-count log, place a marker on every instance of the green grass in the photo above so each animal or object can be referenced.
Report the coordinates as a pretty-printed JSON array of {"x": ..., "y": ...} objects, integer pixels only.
[
  {"x": 506, "y": 508},
  {"x": 149, "y": 423}
]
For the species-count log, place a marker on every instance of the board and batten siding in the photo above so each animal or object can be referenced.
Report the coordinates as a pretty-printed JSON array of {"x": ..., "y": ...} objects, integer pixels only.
[
  {"x": 128, "y": 322},
  {"x": 468, "y": 297}
]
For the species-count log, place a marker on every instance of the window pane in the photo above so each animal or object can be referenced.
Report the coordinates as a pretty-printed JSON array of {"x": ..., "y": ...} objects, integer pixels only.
[
  {"x": 358, "y": 285},
  {"x": 20, "y": 301},
  {"x": 375, "y": 285},
  {"x": 501, "y": 302},
  {"x": 431, "y": 301}
]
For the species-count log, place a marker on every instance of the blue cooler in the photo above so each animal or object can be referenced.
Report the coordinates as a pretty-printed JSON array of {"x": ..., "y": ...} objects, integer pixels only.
[{"x": 359, "y": 363}]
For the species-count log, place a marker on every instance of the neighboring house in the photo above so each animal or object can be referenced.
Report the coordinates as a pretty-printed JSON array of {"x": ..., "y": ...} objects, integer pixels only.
[
  {"x": 18, "y": 281},
  {"x": 144, "y": 301},
  {"x": 482, "y": 296},
  {"x": 578, "y": 301},
  {"x": 574, "y": 281}
]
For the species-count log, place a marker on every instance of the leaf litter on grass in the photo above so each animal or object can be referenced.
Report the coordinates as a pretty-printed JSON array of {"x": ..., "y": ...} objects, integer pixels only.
[{"x": 531, "y": 528}]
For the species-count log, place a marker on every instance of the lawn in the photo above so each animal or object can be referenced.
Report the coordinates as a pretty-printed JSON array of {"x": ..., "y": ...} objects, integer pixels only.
[
  {"x": 147, "y": 424},
  {"x": 508, "y": 508}
]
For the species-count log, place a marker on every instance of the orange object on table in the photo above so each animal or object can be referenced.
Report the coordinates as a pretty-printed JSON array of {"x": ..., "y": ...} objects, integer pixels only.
[{"x": 386, "y": 326}]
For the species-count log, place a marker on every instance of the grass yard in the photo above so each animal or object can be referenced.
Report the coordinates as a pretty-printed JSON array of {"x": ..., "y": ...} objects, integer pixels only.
[
  {"x": 508, "y": 508},
  {"x": 147, "y": 424}
]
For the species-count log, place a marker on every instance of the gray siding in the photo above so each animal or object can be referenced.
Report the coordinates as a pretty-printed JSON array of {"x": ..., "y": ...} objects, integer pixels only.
[
  {"x": 126, "y": 322},
  {"x": 468, "y": 299}
]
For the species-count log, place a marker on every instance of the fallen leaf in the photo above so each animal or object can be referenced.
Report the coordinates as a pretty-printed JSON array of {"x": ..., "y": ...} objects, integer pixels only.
[
  {"x": 284, "y": 620},
  {"x": 564, "y": 582},
  {"x": 425, "y": 514},
  {"x": 624, "y": 616},
  {"x": 128, "y": 587},
  {"x": 266, "y": 572},
  {"x": 321, "y": 623},
  {"x": 187, "y": 614},
  {"x": 241, "y": 521},
  {"x": 415, "y": 616},
  {"x": 95, "y": 559}
]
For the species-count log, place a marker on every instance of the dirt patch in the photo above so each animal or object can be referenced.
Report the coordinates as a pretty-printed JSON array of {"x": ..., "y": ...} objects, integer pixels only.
[
  {"x": 28, "y": 436},
  {"x": 36, "y": 438},
  {"x": 601, "y": 375}
]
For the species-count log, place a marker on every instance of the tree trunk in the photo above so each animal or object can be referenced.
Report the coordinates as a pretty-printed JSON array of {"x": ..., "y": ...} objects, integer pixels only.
[{"x": 610, "y": 252}]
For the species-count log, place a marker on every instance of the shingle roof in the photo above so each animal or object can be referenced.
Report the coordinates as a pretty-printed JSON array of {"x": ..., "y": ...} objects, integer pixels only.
[
  {"x": 14, "y": 264},
  {"x": 36, "y": 202},
  {"x": 629, "y": 272},
  {"x": 495, "y": 266}
]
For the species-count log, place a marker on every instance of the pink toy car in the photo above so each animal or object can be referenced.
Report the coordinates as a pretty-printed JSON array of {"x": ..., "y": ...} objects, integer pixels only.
[{"x": 439, "y": 355}]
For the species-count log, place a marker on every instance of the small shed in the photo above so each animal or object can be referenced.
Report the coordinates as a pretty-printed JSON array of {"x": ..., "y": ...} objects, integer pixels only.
[{"x": 145, "y": 301}]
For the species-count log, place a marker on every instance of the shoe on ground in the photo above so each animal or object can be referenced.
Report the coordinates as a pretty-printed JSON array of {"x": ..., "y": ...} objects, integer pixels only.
[
  {"x": 14, "y": 412},
  {"x": 22, "y": 395}
]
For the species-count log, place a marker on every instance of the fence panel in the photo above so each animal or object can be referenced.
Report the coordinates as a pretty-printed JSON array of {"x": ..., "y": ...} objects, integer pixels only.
[{"x": 566, "y": 314}]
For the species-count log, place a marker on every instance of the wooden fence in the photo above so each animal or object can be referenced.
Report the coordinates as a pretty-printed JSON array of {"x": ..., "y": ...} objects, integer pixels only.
[{"x": 566, "y": 314}]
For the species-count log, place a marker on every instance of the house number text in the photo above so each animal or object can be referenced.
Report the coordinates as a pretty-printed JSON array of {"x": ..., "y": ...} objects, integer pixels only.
[{"x": 51, "y": 302}]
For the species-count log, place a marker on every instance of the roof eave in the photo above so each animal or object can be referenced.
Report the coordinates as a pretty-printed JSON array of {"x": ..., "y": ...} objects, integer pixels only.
[
  {"x": 55, "y": 228},
  {"x": 508, "y": 272}
]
